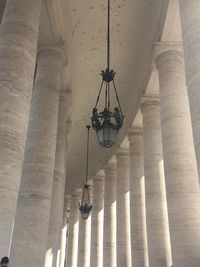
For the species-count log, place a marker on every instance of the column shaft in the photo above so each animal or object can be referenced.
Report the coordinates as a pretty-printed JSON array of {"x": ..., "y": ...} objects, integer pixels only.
[
  {"x": 72, "y": 253},
  {"x": 123, "y": 209},
  {"x": 190, "y": 21},
  {"x": 84, "y": 243},
  {"x": 109, "y": 241},
  {"x": 137, "y": 198},
  {"x": 182, "y": 185},
  {"x": 57, "y": 198},
  {"x": 65, "y": 229},
  {"x": 156, "y": 206},
  {"x": 18, "y": 44},
  {"x": 96, "y": 259},
  {"x": 33, "y": 207}
]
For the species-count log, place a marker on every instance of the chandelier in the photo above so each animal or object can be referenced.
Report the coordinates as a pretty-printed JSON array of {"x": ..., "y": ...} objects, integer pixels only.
[
  {"x": 107, "y": 123},
  {"x": 85, "y": 206}
]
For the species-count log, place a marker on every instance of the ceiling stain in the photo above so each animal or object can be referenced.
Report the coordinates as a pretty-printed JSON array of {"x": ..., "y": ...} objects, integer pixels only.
[{"x": 75, "y": 27}]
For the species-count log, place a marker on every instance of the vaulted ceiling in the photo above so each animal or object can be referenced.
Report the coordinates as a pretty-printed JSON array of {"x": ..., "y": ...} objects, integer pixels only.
[{"x": 136, "y": 25}]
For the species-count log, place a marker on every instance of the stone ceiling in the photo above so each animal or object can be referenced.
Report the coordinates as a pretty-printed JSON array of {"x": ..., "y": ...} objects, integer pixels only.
[{"x": 135, "y": 27}]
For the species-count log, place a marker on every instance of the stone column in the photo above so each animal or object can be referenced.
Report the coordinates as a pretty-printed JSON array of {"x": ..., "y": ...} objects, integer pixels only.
[
  {"x": 84, "y": 242},
  {"x": 33, "y": 207},
  {"x": 96, "y": 259},
  {"x": 72, "y": 253},
  {"x": 190, "y": 21},
  {"x": 182, "y": 185},
  {"x": 156, "y": 206},
  {"x": 66, "y": 216},
  {"x": 57, "y": 198},
  {"x": 18, "y": 44},
  {"x": 67, "y": 200},
  {"x": 137, "y": 198},
  {"x": 123, "y": 208},
  {"x": 109, "y": 235}
]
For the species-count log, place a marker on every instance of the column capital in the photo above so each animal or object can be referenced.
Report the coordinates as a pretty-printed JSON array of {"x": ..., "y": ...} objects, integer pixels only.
[
  {"x": 122, "y": 152},
  {"x": 149, "y": 100},
  {"x": 110, "y": 166},
  {"x": 164, "y": 49},
  {"x": 57, "y": 49},
  {"x": 100, "y": 176},
  {"x": 133, "y": 131},
  {"x": 67, "y": 199},
  {"x": 76, "y": 193}
]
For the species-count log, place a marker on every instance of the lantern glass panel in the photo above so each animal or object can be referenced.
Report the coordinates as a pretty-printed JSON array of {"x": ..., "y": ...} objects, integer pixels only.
[
  {"x": 113, "y": 135},
  {"x": 107, "y": 136},
  {"x": 100, "y": 136}
]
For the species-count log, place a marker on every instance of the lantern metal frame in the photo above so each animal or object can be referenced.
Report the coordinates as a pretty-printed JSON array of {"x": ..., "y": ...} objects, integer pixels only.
[
  {"x": 85, "y": 206},
  {"x": 107, "y": 123}
]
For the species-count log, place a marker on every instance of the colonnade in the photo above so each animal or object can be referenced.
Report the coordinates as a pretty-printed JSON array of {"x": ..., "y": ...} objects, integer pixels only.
[
  {"x": 146, "y": 202},
  {"x": 160, "y": 224},
  {"x": 33, "y": 131}
]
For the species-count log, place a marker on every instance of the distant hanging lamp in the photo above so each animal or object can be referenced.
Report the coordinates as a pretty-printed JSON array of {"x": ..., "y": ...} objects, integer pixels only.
[
  {"x": 107, "y": 123},
  {"x": 85, "y": 206}
]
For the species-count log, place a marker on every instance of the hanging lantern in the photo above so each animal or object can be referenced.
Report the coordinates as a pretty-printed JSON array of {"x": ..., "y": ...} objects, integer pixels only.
[
  {"x": 85, "y": 206},
  {"x": 107, "y": 123}
]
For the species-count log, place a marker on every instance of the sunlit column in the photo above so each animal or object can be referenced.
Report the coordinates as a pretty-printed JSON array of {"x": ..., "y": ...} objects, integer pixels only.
[
  {"x": 156, "y": 207},
  {"x": 64, "y": 233},
  {"x": 123, "y": 208},
  {"x": 137, "y": 198},
  {"x": 57, "y": 198},
  {"x": 109, "y": 241},
  {"x": 72, "y": 246},
  {"x": 18, "y": 46},
  {"x": 34, "y": 201},
  {"x": 190, "y": 22},
  {"x": 182, "y": 184},
  {"x": 96, "y": 258},
  {"x": 84, "y": 242}
]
